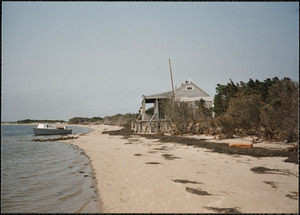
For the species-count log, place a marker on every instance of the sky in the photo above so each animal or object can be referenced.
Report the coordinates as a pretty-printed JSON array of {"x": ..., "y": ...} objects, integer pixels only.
[{"x": 85, "y": 59}]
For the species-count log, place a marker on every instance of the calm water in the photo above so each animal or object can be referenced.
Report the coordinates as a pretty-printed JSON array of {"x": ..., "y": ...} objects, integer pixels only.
[{"x": 40, "y": 177}]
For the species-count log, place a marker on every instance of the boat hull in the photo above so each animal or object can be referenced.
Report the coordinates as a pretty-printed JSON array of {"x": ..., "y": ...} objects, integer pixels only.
[{"x": 46, "y": 131}]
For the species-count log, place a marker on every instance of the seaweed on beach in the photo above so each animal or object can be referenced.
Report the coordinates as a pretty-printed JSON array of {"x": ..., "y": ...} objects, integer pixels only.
[
  {"x": 292, "y": 195},
  {"x": 272, "y": 183},
  {"x": 264, "y": 170},
  {"x": 152, "y": 151},
  {"x": 153, "y": 163},
  {"x": 126, "y": 132},
  {"x": 224, "y": 210},
  {"x": 133, "y": 139},
  {"x": 223, "y": 148},
  {"x": 55, "y": 139},
  {"x": 169, "y": 157},
  {"x": 183, "y": 181},
  {"x": 197, "y": 191}
]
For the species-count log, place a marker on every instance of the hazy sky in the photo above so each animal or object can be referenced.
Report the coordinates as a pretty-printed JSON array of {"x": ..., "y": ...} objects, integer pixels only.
[{"x": 67, "y": 59}]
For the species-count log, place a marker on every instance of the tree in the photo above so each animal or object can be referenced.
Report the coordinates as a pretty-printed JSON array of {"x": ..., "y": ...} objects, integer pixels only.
[
  {"x": 227, "y": 92},
  {"x": 242, "y": 116},
  {"x": 280, "y": 112},
  {"x": 268, "y": 108},
  {"x": 223, "y": 96}
]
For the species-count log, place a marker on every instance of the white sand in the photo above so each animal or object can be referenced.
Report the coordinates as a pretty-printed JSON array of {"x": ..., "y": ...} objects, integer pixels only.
[{"x": 127, "y": 184}]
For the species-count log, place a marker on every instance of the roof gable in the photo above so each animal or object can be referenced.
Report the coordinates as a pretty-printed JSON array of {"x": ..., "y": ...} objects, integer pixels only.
[{"x": 189, "y": 89}]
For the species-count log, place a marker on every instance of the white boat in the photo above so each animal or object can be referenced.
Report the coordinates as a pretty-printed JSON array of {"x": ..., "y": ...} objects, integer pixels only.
[{"x": 50, "y": 129}]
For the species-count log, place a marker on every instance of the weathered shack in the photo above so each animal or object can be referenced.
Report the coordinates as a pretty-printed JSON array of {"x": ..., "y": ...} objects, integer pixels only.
[{"x": 187, "y": 92}]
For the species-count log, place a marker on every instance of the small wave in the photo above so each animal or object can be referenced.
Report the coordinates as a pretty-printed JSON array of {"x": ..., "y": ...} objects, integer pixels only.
[
  {"x": 71, "y": 195},
  {"x": 85, "y": 204}
]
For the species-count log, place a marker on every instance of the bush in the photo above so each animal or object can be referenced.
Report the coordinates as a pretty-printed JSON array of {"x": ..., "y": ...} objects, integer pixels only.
[
  {"x": 180, "y": 115},
  {"x": 279, "y": 117},
  {"x": 226, "y": 124},
  {"x": 268, "y": 109},
  {"x": 85, "y": 120},
  {"x": 203, "y": 119},
  {"x": 120, "y": 119}
]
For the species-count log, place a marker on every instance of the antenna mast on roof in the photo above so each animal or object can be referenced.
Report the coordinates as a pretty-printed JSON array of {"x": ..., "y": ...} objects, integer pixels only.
[{"x": 173, "y": 97}]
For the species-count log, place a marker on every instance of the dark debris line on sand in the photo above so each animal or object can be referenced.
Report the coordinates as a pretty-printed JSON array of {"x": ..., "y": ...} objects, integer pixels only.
[
  {"x": 293, "y": 195},
  {"x": 153, "y": 163},
  {"x": 215, "y": 147},
  {"x": 224, "y": 210},
  {"x": 197, "y": 191},
  {"x": 264, "y": 170},
  {"x": 183, "y": 181},
  {"x": 169, "y": 157},
  {"x": 55, "y": 139}
]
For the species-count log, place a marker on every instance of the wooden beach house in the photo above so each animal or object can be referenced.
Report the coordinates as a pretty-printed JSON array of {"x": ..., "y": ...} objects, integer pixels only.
[{"x": 187, "y": 92}]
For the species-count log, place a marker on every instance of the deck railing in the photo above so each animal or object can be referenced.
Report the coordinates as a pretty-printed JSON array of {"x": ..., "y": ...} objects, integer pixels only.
[{"x": 150, "y": 126}]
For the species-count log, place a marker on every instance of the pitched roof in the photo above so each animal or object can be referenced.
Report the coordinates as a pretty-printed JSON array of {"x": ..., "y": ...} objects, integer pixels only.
[
  {"x": 159, "y": 95},
  {"x": 189, "y": 89}
]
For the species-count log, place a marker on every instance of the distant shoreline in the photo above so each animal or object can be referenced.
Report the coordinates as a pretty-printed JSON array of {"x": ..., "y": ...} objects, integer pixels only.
[
  {"x": 14, "y": 123},
  {"x": 36, "y": 123},
  {"x": 30, "y": 123}
]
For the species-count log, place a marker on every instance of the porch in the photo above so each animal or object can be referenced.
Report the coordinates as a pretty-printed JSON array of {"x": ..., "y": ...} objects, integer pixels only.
[{"x": 147, "y": 126}]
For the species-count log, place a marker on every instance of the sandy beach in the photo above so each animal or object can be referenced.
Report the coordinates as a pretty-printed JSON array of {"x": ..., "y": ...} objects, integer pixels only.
[{"x": 141, "y": 175}]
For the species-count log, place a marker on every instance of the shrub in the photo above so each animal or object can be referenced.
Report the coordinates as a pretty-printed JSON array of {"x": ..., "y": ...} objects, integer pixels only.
[
  {"x": 180, "y": 115},
  {"x": 268, "y": 109},
  {"x": 120, "y": 119},
  {"x": 203, "y": 119},
  {"x": 85, "y": 120},
  {"x": 279, "y": 117},
  {"x": 226, "y": 124}
]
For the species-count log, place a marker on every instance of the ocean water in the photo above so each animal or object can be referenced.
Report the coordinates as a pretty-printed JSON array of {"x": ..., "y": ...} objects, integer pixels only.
[{"x": 44, "y": 177}]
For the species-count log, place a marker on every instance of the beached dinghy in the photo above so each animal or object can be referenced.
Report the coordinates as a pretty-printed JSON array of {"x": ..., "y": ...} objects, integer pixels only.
[{"x": 50, "y": 129}]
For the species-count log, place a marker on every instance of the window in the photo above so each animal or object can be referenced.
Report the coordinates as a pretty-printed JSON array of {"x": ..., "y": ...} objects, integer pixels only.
[{"x": 189, "y": 88}]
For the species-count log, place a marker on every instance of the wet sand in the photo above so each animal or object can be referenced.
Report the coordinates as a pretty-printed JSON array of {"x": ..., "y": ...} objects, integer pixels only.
[{"x": 144, "y": 174}]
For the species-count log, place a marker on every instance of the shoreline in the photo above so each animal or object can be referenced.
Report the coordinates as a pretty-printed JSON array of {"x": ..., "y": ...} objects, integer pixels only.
[
  {"x": 136, "y": 174},
  {"x": 73, "y": 180},
  {"x": 89, "y": 183},
  {"x": 94, "y": 177}
]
